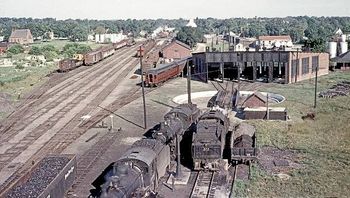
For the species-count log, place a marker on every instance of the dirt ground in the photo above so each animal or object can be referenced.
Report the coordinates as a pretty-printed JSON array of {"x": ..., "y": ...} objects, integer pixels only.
[{"x": 6, "y": 105}]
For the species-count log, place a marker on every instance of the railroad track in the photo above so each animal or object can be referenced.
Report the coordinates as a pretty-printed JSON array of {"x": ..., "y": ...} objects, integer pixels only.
[
  {"x": 71, "y": 85},
  {"x": 71, "y": 131},
  {"x": 204, "y": 185}
]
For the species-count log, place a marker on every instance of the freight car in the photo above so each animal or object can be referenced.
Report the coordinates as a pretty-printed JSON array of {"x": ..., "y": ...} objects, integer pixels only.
[
  {"x": 208, "y": 142},
  {"x": 243, "y": 144},
  {"x": 68, "y": 64},
  {"x": 137, "y": 172},
  {"x": 91, "y": 57},
  {"x": 164, "y": 72},
  {"x": 51, "y": 177}
]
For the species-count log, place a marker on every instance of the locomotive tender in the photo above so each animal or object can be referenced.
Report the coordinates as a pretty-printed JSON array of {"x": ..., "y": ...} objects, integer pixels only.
[{"x": 208, "y": 142}]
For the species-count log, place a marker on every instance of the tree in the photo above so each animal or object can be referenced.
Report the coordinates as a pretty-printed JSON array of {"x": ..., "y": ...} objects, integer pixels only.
[
  {"x": 79, "y": 34},
  {"x": 74, "y": 48},
  {"x": 190, "y": 35},
  {"x": 100, "y": 30},
  {"x": 35, "y": 50},
  {"x": 16, "y": 49}
]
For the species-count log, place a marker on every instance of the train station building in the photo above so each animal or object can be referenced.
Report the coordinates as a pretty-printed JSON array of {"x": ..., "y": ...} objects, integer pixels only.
[{"x": 265, "y": 66}]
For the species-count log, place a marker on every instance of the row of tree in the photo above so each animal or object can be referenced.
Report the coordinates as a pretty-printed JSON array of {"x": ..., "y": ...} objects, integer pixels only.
[{"x": 314, "y": 28}]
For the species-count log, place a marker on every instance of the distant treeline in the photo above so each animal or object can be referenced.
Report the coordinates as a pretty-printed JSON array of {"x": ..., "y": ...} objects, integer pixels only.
[{"x": 296, "y": 27}]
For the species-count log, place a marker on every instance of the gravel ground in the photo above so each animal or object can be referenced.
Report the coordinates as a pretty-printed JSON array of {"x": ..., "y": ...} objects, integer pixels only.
[{"x": 40, "y": 178}]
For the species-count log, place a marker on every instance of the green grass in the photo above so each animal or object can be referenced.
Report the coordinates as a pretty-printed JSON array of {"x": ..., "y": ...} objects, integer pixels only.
[
  {"x": 323, "y": 144},
  {"x": 19, "y": 81}
]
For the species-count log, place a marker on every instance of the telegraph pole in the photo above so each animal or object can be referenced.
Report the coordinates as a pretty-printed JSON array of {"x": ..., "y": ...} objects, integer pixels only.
[
  {"x": 143, "y": 89},
  {"x": 315, "y": 102}
]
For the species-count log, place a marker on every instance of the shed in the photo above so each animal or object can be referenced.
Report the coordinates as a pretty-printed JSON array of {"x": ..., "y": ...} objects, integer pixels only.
[
  {"x": 342, "y": 61},
  {"x": 255, "y": 100}
]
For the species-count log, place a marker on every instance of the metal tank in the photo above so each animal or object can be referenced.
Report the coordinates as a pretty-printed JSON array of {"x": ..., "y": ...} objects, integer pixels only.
[
  {"x": 332, "y": 49},
  {"x": 343, "y": 47}
]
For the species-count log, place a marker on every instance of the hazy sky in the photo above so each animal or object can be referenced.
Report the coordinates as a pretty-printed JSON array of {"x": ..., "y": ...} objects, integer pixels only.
[{"x": 140, "y": 9}]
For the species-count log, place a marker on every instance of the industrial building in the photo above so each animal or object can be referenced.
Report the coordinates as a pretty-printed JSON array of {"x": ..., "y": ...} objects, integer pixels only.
[{"x": 265, "y": 66}]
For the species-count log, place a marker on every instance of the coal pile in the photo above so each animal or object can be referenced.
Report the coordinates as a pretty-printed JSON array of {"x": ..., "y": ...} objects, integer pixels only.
[
  {"x": 340, "y": 89},
  {"x": 39, "y": 178}
]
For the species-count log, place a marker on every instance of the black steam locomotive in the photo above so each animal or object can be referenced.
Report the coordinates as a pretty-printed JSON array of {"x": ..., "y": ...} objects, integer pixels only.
[{"x": 138, "y": 171}]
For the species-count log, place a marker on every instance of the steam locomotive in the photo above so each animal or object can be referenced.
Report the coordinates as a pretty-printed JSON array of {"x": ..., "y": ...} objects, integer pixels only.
[{"x": 138, "y": 171}]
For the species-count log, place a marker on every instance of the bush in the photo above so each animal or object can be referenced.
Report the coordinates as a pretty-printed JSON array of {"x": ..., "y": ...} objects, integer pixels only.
[
  {"x": 74, "y": 48},
  {"x": 49, "y": 48},
  {"x": 16, "y": 49},
  {"x": 19, "y": 65},
  {"x": 50, "y": 55},
  {"x": 35, "y": 50}
]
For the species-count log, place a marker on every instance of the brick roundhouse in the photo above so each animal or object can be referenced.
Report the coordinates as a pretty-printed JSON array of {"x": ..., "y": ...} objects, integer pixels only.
[{"x": 270, "y": 66}]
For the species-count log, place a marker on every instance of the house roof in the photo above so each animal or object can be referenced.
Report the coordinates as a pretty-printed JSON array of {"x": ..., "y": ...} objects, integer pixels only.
[
  {"x": 258, "y": 95},
  {"x": 179, "y": 43},
  {"x": 271, "y": 38},
  {"x": 20, "y": 33},
  {"x": 343, "y": 58}
]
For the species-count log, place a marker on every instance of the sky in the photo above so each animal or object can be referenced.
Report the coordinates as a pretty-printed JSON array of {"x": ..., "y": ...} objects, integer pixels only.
[{"x": 153, "y": 9}]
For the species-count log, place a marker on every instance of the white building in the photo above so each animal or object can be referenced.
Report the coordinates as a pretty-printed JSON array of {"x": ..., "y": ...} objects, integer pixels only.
[
  {"x": 270, "y": 42},
  {"x": 109, "y": 38},
  {"x": 191, "y": 23}
]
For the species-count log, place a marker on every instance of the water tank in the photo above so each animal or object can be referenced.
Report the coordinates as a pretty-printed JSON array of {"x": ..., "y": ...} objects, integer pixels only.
[
  {"x": 332, "y": 49},
  {"x": 343, "y": 38},
  {"x": 343, "y": 47}
]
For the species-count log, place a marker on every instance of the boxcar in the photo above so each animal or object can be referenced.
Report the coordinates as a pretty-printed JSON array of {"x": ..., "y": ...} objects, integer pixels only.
[
  {"x": 68, "y": 64},
  {"x": 93, "y": 57},
  {"x": 107, "y": 51}
]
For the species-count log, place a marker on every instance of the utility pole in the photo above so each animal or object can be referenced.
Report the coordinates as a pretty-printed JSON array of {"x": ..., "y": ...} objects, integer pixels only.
[
  {"x": 143, "y": 89},
  {"x": 267, "y": 107},
  {"x": 188, "y": 82},
  {"x": 315, "y": 102}
]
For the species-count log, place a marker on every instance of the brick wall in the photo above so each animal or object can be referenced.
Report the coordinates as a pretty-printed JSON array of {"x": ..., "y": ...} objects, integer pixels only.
[
  {"x": 306, "y": 66},
  {"x": 176, "y": 51}
]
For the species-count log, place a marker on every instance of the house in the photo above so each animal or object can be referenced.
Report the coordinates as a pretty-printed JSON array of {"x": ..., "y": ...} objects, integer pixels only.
[
  {"x": 176, "y": 50},
  {"x": 4, "y": 46},
  {"x": 21, "y": 36},
  {"x": 270, "y": 42}
]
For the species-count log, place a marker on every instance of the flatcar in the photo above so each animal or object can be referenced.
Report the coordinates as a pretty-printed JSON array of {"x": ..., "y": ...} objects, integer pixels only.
[
  {"x": 137, "y": 172},
  {"x": 208, "y": 142},
  {"x": 164, "y": 72},
  {"x": 243, "y": 144}
]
